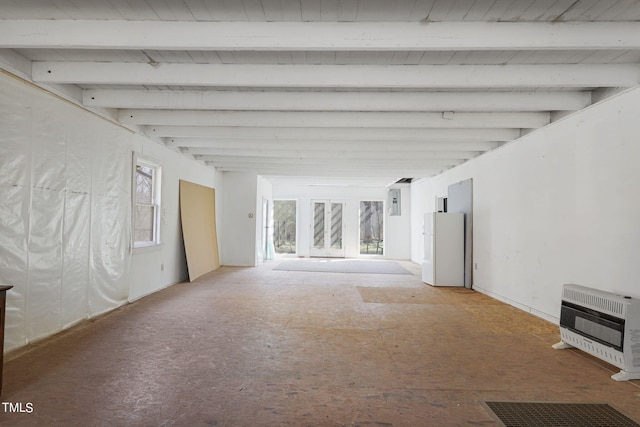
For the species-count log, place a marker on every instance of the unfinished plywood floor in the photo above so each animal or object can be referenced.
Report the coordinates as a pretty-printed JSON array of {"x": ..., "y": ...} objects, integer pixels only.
[{"x": 258, "y": 347}]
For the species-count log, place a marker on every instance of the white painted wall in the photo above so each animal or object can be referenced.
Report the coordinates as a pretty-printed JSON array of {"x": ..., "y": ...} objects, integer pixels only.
[
  {"x": 239, "y": 219},
  {"x": 559, "y": 205},
  {"x": 65, "y": 216},
  {"x": 397, "y": 229},
  {"x": 156, "y": 267}
]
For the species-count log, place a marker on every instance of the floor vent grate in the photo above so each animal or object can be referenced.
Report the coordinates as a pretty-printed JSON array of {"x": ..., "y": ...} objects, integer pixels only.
[{"x": 532, "y": 414}]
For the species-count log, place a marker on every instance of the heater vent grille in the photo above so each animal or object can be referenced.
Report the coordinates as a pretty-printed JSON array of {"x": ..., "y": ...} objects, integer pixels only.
[
  {"x": 605, "y": 353},
  {"x": 603, "y": 324},
  {"x": 596, "y": 302}
]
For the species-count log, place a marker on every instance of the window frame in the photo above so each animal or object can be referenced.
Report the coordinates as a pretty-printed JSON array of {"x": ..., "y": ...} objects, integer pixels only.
[{"x": 156, "y": 201}]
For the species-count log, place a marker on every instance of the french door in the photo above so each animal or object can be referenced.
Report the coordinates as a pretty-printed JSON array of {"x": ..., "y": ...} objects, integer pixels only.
[{"x": 327, "y": 228}]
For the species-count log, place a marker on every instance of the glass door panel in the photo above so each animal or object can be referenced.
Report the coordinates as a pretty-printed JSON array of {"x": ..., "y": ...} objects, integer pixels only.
[
  {"x": 318, "y": 225},
  {"x": 327, "y": 228},
  {"x": 336, "y": 225}
]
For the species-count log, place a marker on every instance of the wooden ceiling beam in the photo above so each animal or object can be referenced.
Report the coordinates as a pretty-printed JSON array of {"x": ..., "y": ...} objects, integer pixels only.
[
  {"x": 344, "y": 162},
  {"x": 197, "y": 146},
  {"x": 318, "y": 36},
  {"x": 337, "y": 101},
  {"x": 341, "y": 119},
  {"x": 323, "y": 154},
  {"x": 380, "y": 175},
  {"x": 468, "y": 77},
  {"x": 340, "y": 134}
]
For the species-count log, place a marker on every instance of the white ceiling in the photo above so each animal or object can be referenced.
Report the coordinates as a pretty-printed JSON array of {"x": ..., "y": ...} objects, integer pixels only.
[{"x": 327, "y": 91}]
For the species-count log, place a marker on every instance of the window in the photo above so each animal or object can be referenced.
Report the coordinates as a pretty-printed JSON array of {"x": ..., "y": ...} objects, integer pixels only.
[{"x": 146, "y": 215}]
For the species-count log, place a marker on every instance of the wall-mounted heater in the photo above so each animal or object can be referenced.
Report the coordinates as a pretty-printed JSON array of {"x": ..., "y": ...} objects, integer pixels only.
[{"x": 604, "y": 325}]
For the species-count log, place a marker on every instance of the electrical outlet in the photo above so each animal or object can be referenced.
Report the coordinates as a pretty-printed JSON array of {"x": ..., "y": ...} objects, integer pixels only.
[{"x": 161, "y": 267}]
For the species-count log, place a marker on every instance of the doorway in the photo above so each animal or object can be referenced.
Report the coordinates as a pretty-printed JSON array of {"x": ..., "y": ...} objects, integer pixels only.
[
  {"x": 327, "y": 228},
  {"x": 284, "y": 233},
  {"x": 371, "y": 228}
]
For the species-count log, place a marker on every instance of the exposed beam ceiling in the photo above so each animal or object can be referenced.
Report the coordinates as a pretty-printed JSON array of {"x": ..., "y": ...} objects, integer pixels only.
[{"x": 332, "y": 91}]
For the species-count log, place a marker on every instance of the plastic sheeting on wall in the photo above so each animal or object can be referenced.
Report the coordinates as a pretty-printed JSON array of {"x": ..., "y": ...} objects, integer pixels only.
[{"x": 65, "y": 186}]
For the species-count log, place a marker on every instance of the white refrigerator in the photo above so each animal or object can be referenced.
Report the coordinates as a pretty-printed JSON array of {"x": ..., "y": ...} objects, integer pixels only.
[{"x": 443, "y": 261}]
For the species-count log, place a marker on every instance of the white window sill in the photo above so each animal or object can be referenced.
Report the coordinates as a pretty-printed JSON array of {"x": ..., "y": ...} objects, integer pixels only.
[{"x": 150, "y": 247}]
